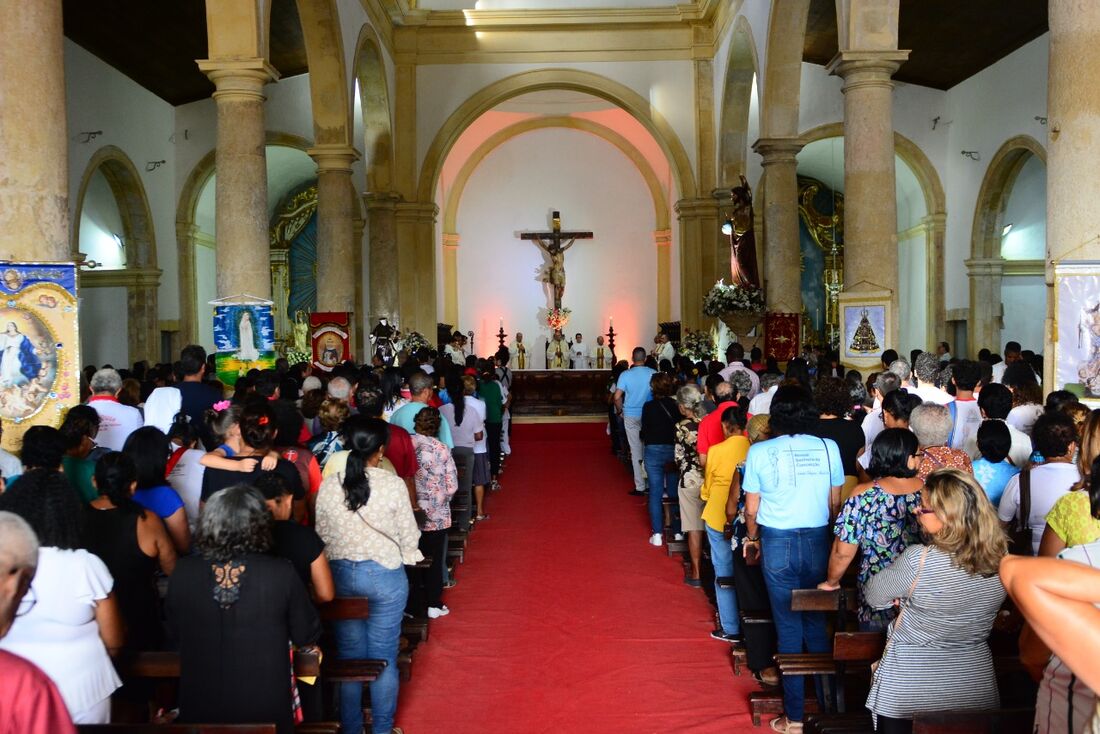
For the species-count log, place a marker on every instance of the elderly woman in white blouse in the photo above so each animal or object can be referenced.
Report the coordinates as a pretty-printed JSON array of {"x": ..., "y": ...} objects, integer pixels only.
[{"x": 367, "y": 523}]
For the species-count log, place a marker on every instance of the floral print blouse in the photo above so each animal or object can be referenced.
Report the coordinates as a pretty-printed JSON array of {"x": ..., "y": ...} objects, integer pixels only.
[
  {"x": 436, "y": 481},
  {"x": 882, "y": 525},
  {"x": 686, "y": 455}
]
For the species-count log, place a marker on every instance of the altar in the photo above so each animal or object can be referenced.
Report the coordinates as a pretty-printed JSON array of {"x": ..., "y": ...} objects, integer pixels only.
[{"x": 560, "y": 392}]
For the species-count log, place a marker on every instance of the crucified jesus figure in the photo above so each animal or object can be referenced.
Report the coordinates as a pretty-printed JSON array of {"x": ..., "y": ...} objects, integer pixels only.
[{"x": 554, "y": 244}]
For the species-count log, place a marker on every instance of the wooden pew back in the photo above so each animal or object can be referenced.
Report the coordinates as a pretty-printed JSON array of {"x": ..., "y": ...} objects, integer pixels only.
[
  {"x": 1001, "y": 721},
  {"x": 176, "y": 729}
]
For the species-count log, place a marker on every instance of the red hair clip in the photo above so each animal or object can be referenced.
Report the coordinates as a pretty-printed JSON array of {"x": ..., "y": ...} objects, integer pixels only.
[{"x": 263, "y": 420}]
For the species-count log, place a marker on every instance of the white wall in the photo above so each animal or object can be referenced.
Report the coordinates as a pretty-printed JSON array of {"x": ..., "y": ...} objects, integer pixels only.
[
  {"x": 100, "y": 223},
  {"x": 613, "y": 275},
  {"x": 139, "y": 123},
  {"x": 982, "y": 113},
  {"x": 1026, "y": 211},
  {"x": 668, "y": 85},
  {"x": 1024, "y": 298},
  {"x": 912, "y": 294},
  {"x": 104, "y": 321}
]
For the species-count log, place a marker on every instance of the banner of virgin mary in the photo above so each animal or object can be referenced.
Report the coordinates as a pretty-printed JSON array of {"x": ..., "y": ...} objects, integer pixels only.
[{"x": 244, "y": 339}]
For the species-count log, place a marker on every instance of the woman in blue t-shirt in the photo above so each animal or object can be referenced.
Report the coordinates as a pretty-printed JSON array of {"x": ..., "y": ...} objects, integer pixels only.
[
  {"x": 993, "y": 469},
  {"x": 149, "y": 448},
  {"x": 792, "y": 486}
]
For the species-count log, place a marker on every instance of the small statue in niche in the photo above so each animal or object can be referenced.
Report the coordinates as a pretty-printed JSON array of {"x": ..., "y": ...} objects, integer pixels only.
[{"x": 300, "y": 333}]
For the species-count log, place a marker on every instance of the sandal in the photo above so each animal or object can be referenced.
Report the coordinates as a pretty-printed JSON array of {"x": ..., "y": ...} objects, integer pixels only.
[
  {"x": 782, "y": 724},
  {"x": 768, "y": 681}
]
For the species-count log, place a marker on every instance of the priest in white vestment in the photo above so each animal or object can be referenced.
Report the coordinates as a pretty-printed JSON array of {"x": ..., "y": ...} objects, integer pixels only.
[
  {"x": 517, "y": 354},
  {"x": 579, "y": 353},
  {"x": 601, "y": 356},
  {"x": 664, "y": 349},
  {"x": 557, "y": 353}
]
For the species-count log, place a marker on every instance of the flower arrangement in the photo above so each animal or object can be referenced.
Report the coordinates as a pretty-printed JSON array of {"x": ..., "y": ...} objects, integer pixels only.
[
  {"x": 414, "y": 341},
  {"x": 724, "y": 299},
  {"x": 295, "y": 357},
  {"x": 697, "y": 346},
  {"x": 557, "y": 318}
]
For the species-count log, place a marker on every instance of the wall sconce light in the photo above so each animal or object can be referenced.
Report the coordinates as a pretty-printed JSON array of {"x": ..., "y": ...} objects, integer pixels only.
[
  {"x": 153, "y": 165},
  {"x": 1040, "y": 119},
  {"x": 89, "y": 136},
  {"x": 972, "y": 155},
  {"x": 1006, "y": 229}
]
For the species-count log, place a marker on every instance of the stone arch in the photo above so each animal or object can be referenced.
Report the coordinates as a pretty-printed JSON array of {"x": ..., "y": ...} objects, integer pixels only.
[
  {"x": 499, "y": 138},
  {"x": 574, "y": 80},
  {"x": 186, "y": 230},
  {"x": 934, "y": 222},
  {"x": 986, "y": 266},
  {"x": 328, "y": 88},
  {"x": 374, "y": 98},
  {"x": 783, "y": 71},
  {"x": 141, "y": 276},
  {"x": 736, "y": 101}
]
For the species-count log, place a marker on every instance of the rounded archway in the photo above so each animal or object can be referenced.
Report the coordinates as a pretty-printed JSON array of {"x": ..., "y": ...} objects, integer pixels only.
[
  {"x": 1008, "y": 247},
  {"x": 113, "y": 226},
  {"x": 739, "y": 126}
]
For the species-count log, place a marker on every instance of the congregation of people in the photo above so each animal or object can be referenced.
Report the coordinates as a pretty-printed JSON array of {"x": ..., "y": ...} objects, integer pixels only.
[
  {"x": 911, "y": 484},
  {"x": 164, "y": 516}
]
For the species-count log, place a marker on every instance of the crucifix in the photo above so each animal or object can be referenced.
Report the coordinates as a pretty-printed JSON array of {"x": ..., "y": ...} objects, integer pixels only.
[{"x": 551, "y": 244}]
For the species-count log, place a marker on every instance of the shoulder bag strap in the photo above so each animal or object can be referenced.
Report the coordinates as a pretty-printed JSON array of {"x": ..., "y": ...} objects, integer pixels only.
[
  {"x": 1024, "y": 521},
  {"x": 174, "y": 459},
  {"x": 901, "y": 610}
]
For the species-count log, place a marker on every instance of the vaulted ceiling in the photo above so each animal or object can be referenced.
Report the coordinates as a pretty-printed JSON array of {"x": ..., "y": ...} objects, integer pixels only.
[{"x": 156, "y": 43}]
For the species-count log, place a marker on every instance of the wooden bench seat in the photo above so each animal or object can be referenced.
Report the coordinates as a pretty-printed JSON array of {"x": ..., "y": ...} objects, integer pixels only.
[
  {"x": 999, "y": 721},
  {"x": 852, "y": 723},
  {"x": 770, "y": 702},
  {"x": 167, "y": 664},
  {"x": 176, "y": 729}
]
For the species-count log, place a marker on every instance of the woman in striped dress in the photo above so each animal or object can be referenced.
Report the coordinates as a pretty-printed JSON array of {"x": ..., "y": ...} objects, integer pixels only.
[{"x": 949, "y": 592}]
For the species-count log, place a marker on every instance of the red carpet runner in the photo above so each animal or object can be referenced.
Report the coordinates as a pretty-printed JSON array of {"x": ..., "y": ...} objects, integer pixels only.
[{"x": 565, "y": 619}]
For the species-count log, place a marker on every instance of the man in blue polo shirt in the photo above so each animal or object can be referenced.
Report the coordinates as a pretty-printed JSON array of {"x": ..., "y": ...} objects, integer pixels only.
[{"x": 631, "y": 393}]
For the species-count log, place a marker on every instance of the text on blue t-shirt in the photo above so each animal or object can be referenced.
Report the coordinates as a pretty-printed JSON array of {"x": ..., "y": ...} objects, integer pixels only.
[{"x": 793, "y": 476}]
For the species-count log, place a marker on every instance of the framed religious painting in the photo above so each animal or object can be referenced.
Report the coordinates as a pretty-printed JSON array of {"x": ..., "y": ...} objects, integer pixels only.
[
  {"x": 865, "y": 323},
  {"x": 1077, "y": 330},
  {"x": 244, "y": 339},
  {"x": 39, "y": 346},
  {"x": 331, "y": 335}
]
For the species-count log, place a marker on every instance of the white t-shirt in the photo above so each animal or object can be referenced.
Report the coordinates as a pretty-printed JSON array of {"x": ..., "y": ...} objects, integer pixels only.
[
  {"x": 116, "y": 421},
  {"x": 1023, "y": 417},
  {"x": 762, "y": 403},
  {"x": 473, "y": 421},
  {"x": 1019, "y": 453},
  {"x": 932, "y": 394},
  {"x": 10, "y": 466},
  {"x": 1048, "y": 483},
  {"x": 967, "y": 419},
  {"x": 59, "y": 634},
  {"x": 186, "y": 479}
]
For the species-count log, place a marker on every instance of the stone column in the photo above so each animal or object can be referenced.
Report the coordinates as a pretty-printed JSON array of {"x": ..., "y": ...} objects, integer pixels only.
[
  {"x": 382, "y": 257},
  {"x": 870, "y": 200},
  {"x": 1073, "y": 113},
  {"x": 935, "y": 232},
  {"x": 984, "y": 325},
  {"x": 699, "y": 262},
  {"x": 143, "y": 326},
  {"x": 450, "y": 277},
  {"x": 782, "y": 252},
  {"x": 415, "y": 229},
  {"x": 241, "y": 188},
  {"x": 185, "y": 245},
  {"x": 34, "y": 153},
  {"x": 662, "y": 238},
  {"x": 336, "y": 273}
]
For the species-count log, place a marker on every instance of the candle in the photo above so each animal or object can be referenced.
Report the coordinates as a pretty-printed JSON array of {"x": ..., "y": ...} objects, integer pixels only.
[
  {"x": 501, "y": 322},
  {"x": 610, "y": 321}
]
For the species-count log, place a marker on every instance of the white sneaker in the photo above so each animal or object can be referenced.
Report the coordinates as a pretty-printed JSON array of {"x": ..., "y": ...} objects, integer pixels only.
[
  {"x": 678, "y": 536},
  {"x": 654, "y": 539},
  {"x": 437, "y": 612}
]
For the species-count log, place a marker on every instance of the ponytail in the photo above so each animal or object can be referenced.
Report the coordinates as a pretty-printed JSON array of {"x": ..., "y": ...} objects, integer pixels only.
[{"x": 364, "y": 437}]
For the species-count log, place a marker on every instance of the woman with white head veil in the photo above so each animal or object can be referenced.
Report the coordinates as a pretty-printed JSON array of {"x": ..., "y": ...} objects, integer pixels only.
[{"x": 246, "y": 351}]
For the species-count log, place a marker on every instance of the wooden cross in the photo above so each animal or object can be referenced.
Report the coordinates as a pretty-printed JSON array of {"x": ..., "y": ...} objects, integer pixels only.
[{"x": 551, "y": 243}]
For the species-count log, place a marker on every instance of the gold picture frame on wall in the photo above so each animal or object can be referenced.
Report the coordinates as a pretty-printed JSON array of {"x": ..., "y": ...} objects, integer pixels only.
[{"x": 866, "y": 320}]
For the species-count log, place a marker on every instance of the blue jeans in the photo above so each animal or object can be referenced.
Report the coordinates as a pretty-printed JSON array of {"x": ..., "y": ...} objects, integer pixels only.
[
  {"x": 796, "y": 559},
  {"x": 662, "y": 483},
  {"x": 374, "y": 638},
  {"x": 721, "y": 555}
]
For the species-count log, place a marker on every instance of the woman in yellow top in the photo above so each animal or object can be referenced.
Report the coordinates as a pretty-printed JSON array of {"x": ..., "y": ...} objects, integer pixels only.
[
  {"x": 1075, "y": 517},
  {"x": 723, "y": 460}
]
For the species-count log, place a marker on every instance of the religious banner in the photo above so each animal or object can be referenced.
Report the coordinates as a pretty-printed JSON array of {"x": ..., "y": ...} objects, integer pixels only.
[
  {"x": 39, "y": 346},
  {"x": 1077, "y": 329},
  {"x": 244, "y": 338},
  {"x": 781, "y": 336},
  {"x": 865, "y": 319},
  {"x": 331, "y": 338}
]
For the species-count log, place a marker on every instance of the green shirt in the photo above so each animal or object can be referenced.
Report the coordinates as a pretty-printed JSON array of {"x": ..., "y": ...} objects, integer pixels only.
[
  {"x": 79, "y": 472},
  {"x": 494, "y": 401}
]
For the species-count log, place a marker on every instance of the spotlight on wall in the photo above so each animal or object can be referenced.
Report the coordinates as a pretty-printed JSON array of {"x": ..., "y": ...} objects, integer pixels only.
[
  {"x": 89, "y": 135},
  {"x": 1006, "y": 229},
  {"x": 153, "y": 165},
  {"x": 727, "y": 227},
  {"x": 972, "y": 155}
]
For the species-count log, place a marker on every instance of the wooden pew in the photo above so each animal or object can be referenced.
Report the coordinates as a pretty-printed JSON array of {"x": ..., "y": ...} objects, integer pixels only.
[
  {"x": 1000, "y": 721},
  {"x": 347, "y": 671},
  {"x": 167, "y": 664}
]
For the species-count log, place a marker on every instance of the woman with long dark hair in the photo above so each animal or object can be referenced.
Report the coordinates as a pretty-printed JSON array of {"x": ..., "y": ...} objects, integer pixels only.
[
  {"x": 134, "y": 543},
  {"x": 366, "y": 521},
  {"x": 149, "y": 449}
]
